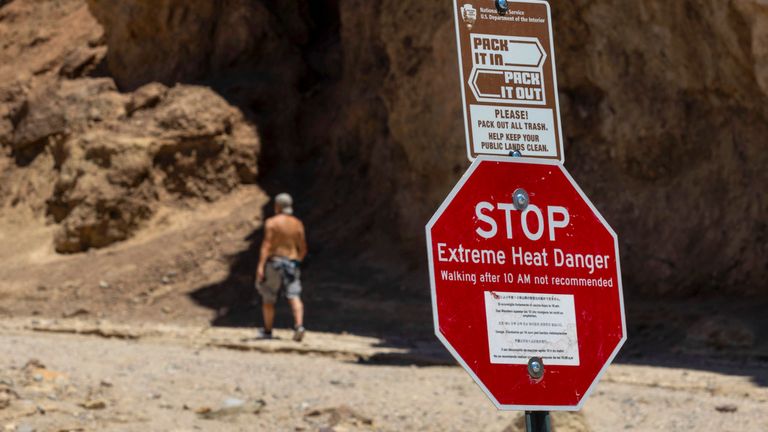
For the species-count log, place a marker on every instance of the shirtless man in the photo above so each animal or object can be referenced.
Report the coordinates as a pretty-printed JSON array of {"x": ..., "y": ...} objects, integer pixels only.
[{"x": 282, "y": 250}]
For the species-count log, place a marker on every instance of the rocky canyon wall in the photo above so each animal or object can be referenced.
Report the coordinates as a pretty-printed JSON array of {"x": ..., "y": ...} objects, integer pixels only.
[
  {"x": 357, "y": 104},
  {"x": 664, "y": 113},
  {"x": 664, "y": 107}
]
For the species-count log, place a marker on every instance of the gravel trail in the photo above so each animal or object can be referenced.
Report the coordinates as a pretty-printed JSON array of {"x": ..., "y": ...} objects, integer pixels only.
[{"x": 64, "y": 382}]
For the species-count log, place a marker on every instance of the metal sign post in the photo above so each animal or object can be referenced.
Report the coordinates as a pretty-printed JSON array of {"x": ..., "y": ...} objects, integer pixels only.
[{"x": 537, "y": 421}]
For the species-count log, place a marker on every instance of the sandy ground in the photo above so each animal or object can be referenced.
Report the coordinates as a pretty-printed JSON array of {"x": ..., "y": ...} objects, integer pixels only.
[
  {"x": 192, "y": 378},
  {"x": 147, "y": 335}
]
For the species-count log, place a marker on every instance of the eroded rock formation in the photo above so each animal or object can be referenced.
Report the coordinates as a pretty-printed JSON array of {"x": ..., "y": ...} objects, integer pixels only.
[
  {"x": 663, "y": 103},
  {"x": 664, "y": 109},
  {"x": 97, "y": 161}
]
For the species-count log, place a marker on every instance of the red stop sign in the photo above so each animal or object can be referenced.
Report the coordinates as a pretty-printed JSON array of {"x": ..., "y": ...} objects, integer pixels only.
[{"x": 512, "y": 284}]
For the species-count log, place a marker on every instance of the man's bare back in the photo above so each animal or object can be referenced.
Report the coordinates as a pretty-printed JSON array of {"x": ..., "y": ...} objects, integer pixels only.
[{"x": 284, "y": 237}]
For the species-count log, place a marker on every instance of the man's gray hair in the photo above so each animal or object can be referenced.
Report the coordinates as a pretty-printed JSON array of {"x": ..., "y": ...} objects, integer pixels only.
[{"x": 284, "y": 203}]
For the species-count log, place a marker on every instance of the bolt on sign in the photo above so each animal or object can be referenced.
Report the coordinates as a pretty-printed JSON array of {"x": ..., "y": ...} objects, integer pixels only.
[
  {"x": 508, "y": 79},
  {"x": 526, "y": 283}
]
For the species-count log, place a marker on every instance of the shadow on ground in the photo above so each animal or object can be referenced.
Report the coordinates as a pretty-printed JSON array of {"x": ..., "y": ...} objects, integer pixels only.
[
  {"x": 342, "y": 292},
  {"x": 717, "y": 334},
  {"x": 711, "y": 334}
]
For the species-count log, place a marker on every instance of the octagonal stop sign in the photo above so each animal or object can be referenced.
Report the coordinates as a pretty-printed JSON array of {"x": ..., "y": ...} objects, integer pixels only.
[{"x": 522, "y": 280}]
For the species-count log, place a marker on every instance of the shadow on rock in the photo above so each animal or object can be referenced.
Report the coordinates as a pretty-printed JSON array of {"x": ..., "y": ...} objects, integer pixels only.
[{"x": 234, "y": 299}]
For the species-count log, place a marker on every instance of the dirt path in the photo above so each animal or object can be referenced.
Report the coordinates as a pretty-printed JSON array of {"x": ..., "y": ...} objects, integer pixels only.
[{"x": 186, "y": 378}]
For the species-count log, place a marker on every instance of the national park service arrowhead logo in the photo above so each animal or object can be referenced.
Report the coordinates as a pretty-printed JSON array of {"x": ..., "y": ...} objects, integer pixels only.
[{"x": 468, "y": 15}]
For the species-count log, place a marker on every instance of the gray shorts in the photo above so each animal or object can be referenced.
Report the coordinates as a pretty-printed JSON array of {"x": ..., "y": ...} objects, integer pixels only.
[{"x": 280, "y": 274}]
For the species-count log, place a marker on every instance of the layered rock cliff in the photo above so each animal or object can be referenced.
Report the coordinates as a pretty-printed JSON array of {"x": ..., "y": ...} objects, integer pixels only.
[
  {"x": 357, "y": 107},
  {"x": 664, "y": 108},
  {"x": 96, "y": 161}
]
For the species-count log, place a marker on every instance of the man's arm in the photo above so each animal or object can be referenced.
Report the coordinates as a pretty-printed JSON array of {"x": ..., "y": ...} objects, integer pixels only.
[
  {"x": 266, "y": 245},
  {"x": 302, "y": 243}
]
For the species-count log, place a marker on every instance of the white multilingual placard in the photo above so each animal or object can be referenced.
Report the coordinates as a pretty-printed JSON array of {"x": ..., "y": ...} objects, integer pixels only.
[{"x": 524, "y": 325}]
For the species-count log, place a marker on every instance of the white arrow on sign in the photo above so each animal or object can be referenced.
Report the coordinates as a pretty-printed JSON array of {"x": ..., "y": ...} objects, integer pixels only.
[
  {"x": 514, "y": 50},
  {"x": 516, "y": 61}
]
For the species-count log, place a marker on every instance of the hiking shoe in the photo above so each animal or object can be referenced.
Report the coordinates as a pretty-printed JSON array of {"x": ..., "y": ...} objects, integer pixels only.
[
  {"x": 298, "y": 333},
  {"x": 264, "y": 334}
]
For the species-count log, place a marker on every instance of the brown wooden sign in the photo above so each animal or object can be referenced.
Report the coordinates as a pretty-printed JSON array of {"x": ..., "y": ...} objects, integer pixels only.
[{"x": 508, "y": 79}]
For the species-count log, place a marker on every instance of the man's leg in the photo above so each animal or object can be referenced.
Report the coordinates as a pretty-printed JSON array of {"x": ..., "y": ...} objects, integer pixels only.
[
  {"x": 268, "y": 288},
  {"x": 298, "y": 316},
  {"x": 297, "y": 307},
  {"x": 268, "y": 310},
  {"x": 293, "y": 294}
]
